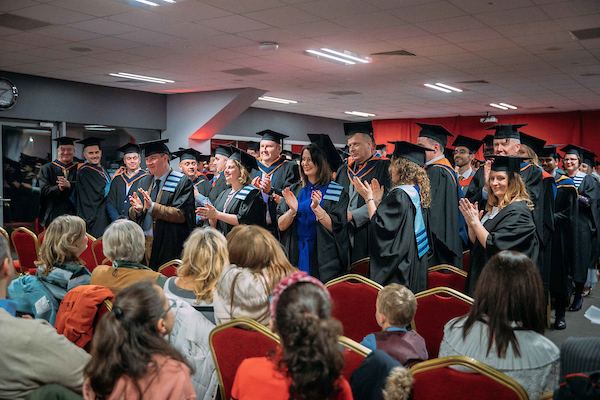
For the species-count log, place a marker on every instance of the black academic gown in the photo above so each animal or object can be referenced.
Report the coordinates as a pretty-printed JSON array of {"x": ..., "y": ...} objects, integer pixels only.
[
  {"x": 53, "y": 201},
  {"x": 587, "y": 233},
  {"x": 218, "y": 187},
  {"x": 178, "y": 202},
  {"x": 90, "y": 198},
  {"x": 247, "y": 204},
  {"x": 394, "y": 253},
  {"x": 443, "y": 216},
  {"x": 359, "y": 227},
  {"x": 331, "y": 251},
  {"x": 117, "y": 201},
  {"x": 511, "y": 229},
  {"x": 202, "y": 185},
  {"x": 547, "y": 201}
]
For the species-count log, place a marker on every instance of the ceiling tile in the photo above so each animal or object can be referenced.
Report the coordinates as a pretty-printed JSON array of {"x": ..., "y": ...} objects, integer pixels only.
[
  {"x": 9, "y": 5},
  {"x": 330, "y": 9},
  {"x": 191, "y": 10},
  {"x": 240, "y": 7},
  {"x": 97, "y": 8},
  {"x": 397, "y": 32},
  {"x": 451, "y": 25},
  {"x": 112, "y": 43},
  {"x": 318, "y": 28},
  {"x": 152, "y": 38},
  {"x": 366, "y": 22},
  {"x": 227, "y": 41},
  {"x": 495, "y": 44},
  {"x": 146, "y": 19},
  {"x": 516, "y": 16},
  {"x": 34, "y": 40},
  {"x": 545, "y": 38},
  {"x": 482, "y": 6},
  {"x": 119, "y": 56},
  {"x": 282, "y": 16},
  {"x": 54, "y": 15},
  {"x": 438, "y": 50},
  {"x": 507, "y": 53},
  {"x": 151, "y": 51},
  {"x": 47, "y": 53},
  {"x": 189, "y": 30},
  {"x": 67, "y": 33},
  {"x": 530, "y": 28},
  {"x": 581, "y": 22},
  {"x": 104, "y": 27},
  {"x": 234, "y": 24},
  {"x": 573, "y": 8},
  {"x": 270, "y": 35},
  {"x": 419, "y": 41},
  {"x": 471, "y": 35},
  {"x": 428, "y": 12}
]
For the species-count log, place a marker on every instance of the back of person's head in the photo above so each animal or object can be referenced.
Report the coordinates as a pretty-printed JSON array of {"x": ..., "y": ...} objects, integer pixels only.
[
  {"x": 5, "y": 257},
  {"x": 127, "y": 338},
  {"x": 311, "y": 355},
  {"x": 509, "y": 290},
  {"x": 398, "y": 304},
  {"x": 124, "y": 240},
  {"x": 204, "y": 257},
  {"x": 60, "y": 242},
  {"x": 398, "y": 385}
]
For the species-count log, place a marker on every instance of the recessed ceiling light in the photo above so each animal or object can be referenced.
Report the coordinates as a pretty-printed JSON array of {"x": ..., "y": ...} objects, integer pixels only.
[
  {"x": 98, "y": 128},
  {"x": 330, "y": 57},
  {"x": 498, "y": 106},
  {"x": 441, "y": 89},
  {"x": 449, "y": 87},
  {"x": 141, "y": 78},
  {"x": 277, "y": 100},
  {"x": 346, "y": 55},
  {"x": 359, "y": 114},
  {"x": 508, "y": 106}
]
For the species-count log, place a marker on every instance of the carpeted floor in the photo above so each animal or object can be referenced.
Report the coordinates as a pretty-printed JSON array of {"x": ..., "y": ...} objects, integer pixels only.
[{"x": 577, "y": 324}]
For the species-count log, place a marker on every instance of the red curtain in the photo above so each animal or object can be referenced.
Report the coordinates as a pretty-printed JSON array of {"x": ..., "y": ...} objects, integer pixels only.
[{"x": 576, "y": 127}]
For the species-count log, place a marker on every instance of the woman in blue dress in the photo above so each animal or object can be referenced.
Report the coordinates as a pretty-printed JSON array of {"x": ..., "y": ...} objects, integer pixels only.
[{"x": 312, "y": 215}]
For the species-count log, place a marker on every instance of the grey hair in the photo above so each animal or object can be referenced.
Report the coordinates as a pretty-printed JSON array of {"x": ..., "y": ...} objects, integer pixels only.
[
  {"x": 124, "y": 240},
  {"x": 4, "y": 250}
]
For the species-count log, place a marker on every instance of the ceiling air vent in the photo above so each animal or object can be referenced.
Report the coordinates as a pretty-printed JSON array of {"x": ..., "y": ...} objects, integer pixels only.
[
  {"x": 244, "y": 71},
  {"x": 584, "y": 34},
  {"x": 21, "y": 23},
  {"x": 395, "y": 53},
  {"x": 481, "y": 81}
]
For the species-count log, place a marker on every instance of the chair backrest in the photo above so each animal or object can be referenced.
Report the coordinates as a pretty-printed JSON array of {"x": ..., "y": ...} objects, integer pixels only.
[
  {"x": 27, "y": 247},
  {"x": 435, "y": 379},
  {"x": 38, "y": 227},
  {"x": 232, "y": 342},
  {"x": 360, "y": 267},
  {"x": 354, "y": 299},
  {"x": 41, "y": 237},
  {"x": 466, "y": 260},
  {"x": 98, "y": 251},
  {"x": 445, "y": 275},
  {"x": 169, "y": 268},
  {"x": 88, "y": 254},
  {"x": 354, "y": 355},
  {"x": 435, "y": 307}
]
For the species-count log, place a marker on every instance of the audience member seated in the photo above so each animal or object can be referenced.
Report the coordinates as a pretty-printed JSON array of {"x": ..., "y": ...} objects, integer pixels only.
[
  {"x": 368, "y": 380},
  {"x": 399, "y": 384},
  {"x": 204, "y": 257},
  {"x": 59, "y": 265},
  {"x": 124, "y": 245},
  {"x": 130, "y": 357},
  {"x": 396, "y": 308},
  {"x": 32, "y": 354},
  {"x": 258, "y": 263},
  {"x": 505, "y": 327},
  {"x": 310, "y": 362}
]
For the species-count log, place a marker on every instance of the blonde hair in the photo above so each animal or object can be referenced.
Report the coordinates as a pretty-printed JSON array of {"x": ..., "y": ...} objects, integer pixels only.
[
  {"x": 59, "y": 245},
  {"x": 399, "y": 384},
  {"x": 204, "y": 257},
  {"x": 244, "y": 173},
  {"x": 530, "y": 153},
  {"x": 409, "y": 173},
  {"x": 124, "y": 240},
  {"x": 515, "y": 191},
  {"x": 397, "y": 303}
]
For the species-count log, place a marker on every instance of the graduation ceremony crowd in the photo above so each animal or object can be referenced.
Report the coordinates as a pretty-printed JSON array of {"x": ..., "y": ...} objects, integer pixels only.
[{"x": 260, "y": 233}]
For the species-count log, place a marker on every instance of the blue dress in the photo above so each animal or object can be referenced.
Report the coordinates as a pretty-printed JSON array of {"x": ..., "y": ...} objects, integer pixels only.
[{"x": 307, "y": 225}]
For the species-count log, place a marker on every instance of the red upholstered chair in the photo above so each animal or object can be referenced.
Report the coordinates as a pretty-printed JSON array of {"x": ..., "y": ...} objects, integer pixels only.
[
  {"x": 169, "y": 268},
  {"x": 88, "y": 254},
  {"x": 435, "y": 307},
  {"x": 445, "y": 275},
  {"x": 99, "y": 257},
  {"x": 360, "y": 267},
  {"x": 233, "y": 342},
  {"x": 27, "y": 247},
  {"x": 41, "y": 237},
  {"x": 353, "y": 304},
  {"x": 38, "y": 227},
  {"x": 16, "y": 264},
  {"x": 434, "y": 379},
  {"x": 354, "y": 355},
  {"x": 466, "y": 260}
]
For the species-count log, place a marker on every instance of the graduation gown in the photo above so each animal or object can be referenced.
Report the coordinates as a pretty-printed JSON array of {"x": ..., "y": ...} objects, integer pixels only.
[
  {"x": 444, "y": 221},
  {"x": 90, "y": 198},
  {"x": 247, "y": 204},
  {"x": 547, "y": 201},
  {"x": 394, "y": 252},
  {"x": 218, "y": 186},
  {"x": 587, "y": 232},
  {"x": 117, "y": 201},
  {"x": 53, "y": 201},
  {"x": 173, "y": 217},
  {"x": 331, "y": 249},
  {"x": 359, "y": 227},
  {"x": 202, "y": 185},
  {"x": 511, "y": 229}
]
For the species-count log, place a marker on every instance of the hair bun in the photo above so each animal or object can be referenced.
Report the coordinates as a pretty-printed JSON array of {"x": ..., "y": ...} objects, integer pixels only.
[{"x": 118, "y": 312}]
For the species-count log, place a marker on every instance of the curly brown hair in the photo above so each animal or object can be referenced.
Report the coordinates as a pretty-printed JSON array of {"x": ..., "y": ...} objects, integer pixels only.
[{"x": 406, "y": 172}]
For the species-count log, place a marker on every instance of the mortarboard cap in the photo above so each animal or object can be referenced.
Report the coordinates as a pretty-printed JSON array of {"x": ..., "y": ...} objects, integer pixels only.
[
  {"x": 573, "y": 149},
  {"x": 64, "y": 140},
  {"x": 91, "y": 141},
  {"x": 537, "y": 145},
  {"x": 295, "y": 156},
  {"x": 507, "y": 163},
  {"x": 488, "y": 140},
  {"x": 224, "y": 151},
  {"x": 272, "y": 135},
  {"x": 252, "y": 145},
  {"x": 11, "y": 163},
  {"x": 550, "y": 151},
  {"x": 28, "y": 160},
  {"x": 190, "y": 154},
  {"x": 589, "y": 158},
  {"x": 381, "y": 147},
  {"x": 410, "y": 151},
  {"x": 155, "y": 147},
  {"x": 350, "y": 128},
  {"x": 248, "y": 161},
  {"x": 435, "y": 132},
  {"x": 507, "y": 131},
  {"x": 324, "y": 144},
  {"x": 130, "y": 148},
  {"x": 472, "y": 144}
]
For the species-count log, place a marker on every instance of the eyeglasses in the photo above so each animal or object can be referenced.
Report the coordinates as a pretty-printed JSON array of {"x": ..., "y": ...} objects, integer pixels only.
[{"x": 172, "y": 303}]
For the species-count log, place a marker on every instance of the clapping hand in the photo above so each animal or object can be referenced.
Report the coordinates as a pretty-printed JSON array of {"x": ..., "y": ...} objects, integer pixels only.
[
  {"x": 136, "y": 203},
  {"x": 208, "y": 211},
  {"x": 470, "y": 211},
  {"x": 290, "y": 200},
  {"x": 316, "y": 197},
  {"x": 364, "y": 189}
]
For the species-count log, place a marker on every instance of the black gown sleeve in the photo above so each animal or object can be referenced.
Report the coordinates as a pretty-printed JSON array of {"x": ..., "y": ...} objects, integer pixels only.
[{"x": 252, "y": 210}]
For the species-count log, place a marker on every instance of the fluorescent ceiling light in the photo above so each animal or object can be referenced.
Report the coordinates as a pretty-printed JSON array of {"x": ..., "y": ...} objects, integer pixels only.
[
  {"x": 449, "y": 87},
  {"x": 441, "y": 89},
  {"x": 149, "y": 3},
  {"x": 359, "y": 113},
  {"x": 277, "y": 100},
  {"x": 169, "y": 1},
  {"x": 141, "y": 77},
  {"x": 94, "y": 126},
  {"x": 338, "y": 53},
  {"x": 508, "y": 106},
  {"x": 105, "y": 129},
  {"x": 28, "y": 130},
  {"x": 498, "y": 106},
  {"x": 321, "y": 54}
]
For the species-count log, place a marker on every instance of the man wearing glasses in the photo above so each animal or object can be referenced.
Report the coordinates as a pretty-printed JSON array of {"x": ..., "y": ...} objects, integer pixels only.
[{"x": 464, "y": 153}]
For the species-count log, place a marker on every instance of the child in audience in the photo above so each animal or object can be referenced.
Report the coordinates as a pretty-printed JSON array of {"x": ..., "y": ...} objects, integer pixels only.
[
  {"x": 396, "y": 308},
  {"x": 130, "y": 357},
  {"x": 310, "y": 362}
]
